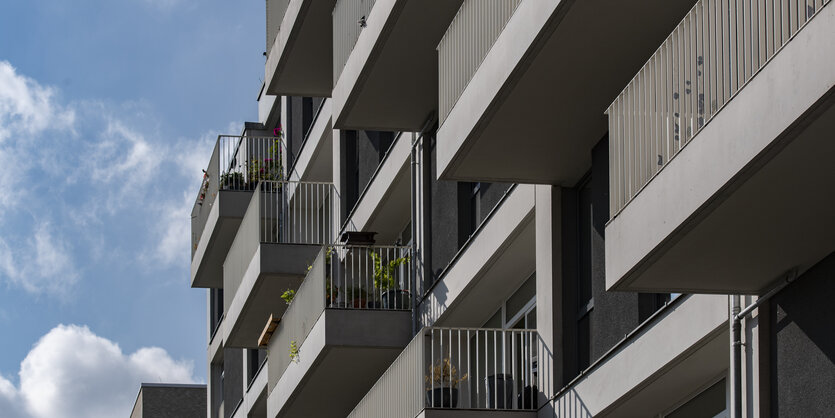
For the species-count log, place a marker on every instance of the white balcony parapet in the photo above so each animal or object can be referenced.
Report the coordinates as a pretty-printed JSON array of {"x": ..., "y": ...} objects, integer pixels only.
[
  {"x": 348, "y": 22},
  {"x": 458, "y": 368},
  {"x": 275, "y": 14},
  {"x": 715, "y": 50},
  {"x": 466, "y": 42}
]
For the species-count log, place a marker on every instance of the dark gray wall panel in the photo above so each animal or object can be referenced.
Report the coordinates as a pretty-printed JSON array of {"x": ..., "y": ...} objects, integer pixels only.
[
  {"x": 803, "y": 345},
  {"x": 173, "y": 402},
  {"x": 233, "y": 379}
]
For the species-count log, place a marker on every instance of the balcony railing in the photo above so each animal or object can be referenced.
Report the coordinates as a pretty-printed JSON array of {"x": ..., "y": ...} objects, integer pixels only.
[
  {"x": 458, "y": 368},
  {"x": 346, "y": 30},
  {"x": 281, "y": 212},
  {"x": 238, "y": 163},
  {"x": 715, "y": 50},
  {"x": 275, "y": 14},
  {"x": 465, "y": 45},
  {"x": 369, "y": 277}
]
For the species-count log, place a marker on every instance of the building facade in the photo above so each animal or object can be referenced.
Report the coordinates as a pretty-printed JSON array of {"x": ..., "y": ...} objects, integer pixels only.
[
  {"x": 169, "y": 400},
  {"x": 533, "y": 208}
]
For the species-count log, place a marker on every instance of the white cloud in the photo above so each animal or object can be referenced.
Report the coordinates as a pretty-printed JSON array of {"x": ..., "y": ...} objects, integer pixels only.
[
  {"x": 97, "y": 173},
  {"x": 26, "y": 107},
  {"x": 40, "y": 264},
  {"x": 71, "y": 372},
  {"x": 173, "y": 234}
]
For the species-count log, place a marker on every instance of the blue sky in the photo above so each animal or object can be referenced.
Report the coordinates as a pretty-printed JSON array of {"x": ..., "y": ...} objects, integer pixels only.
[{"x": 108, "y": 111}]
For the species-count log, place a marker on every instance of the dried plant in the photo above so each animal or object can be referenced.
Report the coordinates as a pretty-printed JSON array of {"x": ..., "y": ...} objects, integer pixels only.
[{"x": 443, "y": 374}]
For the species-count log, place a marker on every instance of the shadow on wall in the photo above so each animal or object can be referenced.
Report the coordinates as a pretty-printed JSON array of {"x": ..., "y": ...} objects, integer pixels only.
[
  {"x": 803, "y": 344},
  {"x": 431, "y": 308},
  {"x": 567, "y": 405}
]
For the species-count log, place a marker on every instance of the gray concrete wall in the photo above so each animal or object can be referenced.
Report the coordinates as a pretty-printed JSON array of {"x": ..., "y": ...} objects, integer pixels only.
[
  {"x": 802, "y": 364},
  {"x": 170, "y": 401},
  {"x": 233, "y": 379}
]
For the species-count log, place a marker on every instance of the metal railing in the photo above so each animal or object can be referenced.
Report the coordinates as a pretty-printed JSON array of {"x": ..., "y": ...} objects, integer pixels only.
[
  {"x": 458, "y": 368},
  {"x": 275, "y": 14},
  {"x": 237, "y": 163},
  {"x": 466, "y": 43},
  {"x": 294, "y": 212},
  {"x": 346, "y": 30},
  {"x": 713, "y": 52},
  {"x": 369, "y": 277}
]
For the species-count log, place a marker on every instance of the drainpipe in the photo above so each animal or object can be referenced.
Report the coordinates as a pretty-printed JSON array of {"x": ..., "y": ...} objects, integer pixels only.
[
  {"x": 736, "y": 344},
  {"x": 414, "y": 235},
  {"x": 736, "y": 325}
]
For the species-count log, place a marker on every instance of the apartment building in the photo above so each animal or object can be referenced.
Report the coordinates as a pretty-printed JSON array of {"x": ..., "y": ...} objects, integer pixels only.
[
  {"x": 168, "y": 400},
  {"x": 532, "y": 208}
]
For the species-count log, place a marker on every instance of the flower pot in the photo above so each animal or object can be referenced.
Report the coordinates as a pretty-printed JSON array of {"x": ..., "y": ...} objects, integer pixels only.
[
  {"x": 442, "y": 398},
  {"x": 499, "y": 391},
  {"x": 396, "y": 299},
  {"x": 527, "y": 398}
]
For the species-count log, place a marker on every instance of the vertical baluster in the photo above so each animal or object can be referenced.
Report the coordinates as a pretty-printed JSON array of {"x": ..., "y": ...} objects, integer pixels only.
[
  {"x": 459, "y": 369},
  {"x": 477, "y": 367},
  {"x": 469, "y": 373},
  {"x": 495, "y": 370}
]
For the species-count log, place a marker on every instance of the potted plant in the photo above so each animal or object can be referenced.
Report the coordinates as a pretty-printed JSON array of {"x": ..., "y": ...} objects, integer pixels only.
[
  {"x": 442, "y": 384},
  {"x": 499, "y": 391},
  {"x": 385, "y": 279},
  {"x": 356, "y": 297},
  {"x": 331, "y": 293},
  {"x": 232, "y": 181}
]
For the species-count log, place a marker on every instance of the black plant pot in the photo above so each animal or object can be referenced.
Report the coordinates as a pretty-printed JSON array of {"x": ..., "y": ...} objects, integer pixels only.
[
  {"x": 396, "y": 299},
  {"x": 499, "y": 391},
  {"x": 526, "y": 398},
  {"x": 442, "y": 398}
]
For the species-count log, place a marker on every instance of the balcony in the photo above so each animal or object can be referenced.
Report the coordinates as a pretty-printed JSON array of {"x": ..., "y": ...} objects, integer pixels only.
[
  {"x": 348, "y": 320},
  {"x": 283, "y": 229},
  {"x": 720, "y": 152},
  {"x": 536, "y": 75},
  {"x": 379, "y": 44},
  {"x": 236, "y": 165},
  {"x": 299, "y": 48},
  {"x": 455, "y": 371}
]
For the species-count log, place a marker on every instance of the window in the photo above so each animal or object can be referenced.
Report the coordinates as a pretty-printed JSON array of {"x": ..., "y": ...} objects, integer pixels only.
[{"x": 585, "y": 299}]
